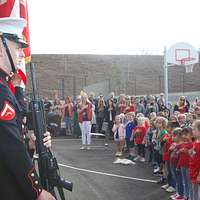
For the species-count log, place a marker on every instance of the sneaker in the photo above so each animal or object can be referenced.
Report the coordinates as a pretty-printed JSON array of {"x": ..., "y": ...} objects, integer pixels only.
[
  {"x": 117, "y": 153},
  {"x": 120, "y": 154},
  {"x": 159, "y": 174},
  {"x": 142, "y": 159},
  {"x": 155, "y": 171},
  {"x": 170, "y": 189},
  {"x": 88, "y": 148},
  {"x": 137, "y": 158},
  {"x": 165, "y": 186},
  {"x": 82, "y": 148},
  {"x": 179, "y": 197},
  {"x": 173, "y": 197}
]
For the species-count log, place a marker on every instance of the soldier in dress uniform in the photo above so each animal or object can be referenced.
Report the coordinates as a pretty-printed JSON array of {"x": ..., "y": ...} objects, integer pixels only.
[{"x": 19, "y": 180}]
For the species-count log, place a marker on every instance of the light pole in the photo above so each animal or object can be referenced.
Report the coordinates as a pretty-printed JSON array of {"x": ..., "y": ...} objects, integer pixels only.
[
  {"x": 74, "y": 87},
  {"x": 165, "y": 77},
  {"x": 62, "y": 88}
]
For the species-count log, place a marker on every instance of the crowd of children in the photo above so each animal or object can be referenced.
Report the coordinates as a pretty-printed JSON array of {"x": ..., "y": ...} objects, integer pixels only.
[{"x": 171, "y": 145}]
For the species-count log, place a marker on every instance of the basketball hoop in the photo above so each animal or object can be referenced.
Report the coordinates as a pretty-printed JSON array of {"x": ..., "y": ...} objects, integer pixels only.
[
  {"x": 182, "y": 54},
  {"x": 189, "y": 68}
]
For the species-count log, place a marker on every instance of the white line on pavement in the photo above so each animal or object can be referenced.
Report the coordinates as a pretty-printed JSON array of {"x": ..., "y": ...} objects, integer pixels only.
[
  {"x": 107, "y": 174},
  {"x": 63, "y": 139},
  {"x": 75, "y": 139}
]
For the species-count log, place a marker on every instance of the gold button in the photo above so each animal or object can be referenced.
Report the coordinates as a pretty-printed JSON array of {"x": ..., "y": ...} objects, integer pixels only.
[
  {"x": 36, "y": 182},
  {"x": 32, "y": 174}
]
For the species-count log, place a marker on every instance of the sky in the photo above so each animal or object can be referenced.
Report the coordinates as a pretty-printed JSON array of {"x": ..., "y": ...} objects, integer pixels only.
[{"x": 131, "y": 27}]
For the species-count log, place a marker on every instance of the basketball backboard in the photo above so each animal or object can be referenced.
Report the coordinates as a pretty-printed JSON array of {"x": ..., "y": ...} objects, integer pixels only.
[{"x": 181, "y": 54}]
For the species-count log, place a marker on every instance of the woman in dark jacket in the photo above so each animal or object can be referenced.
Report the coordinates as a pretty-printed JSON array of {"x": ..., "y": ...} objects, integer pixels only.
[{"x": 110, "y": 114}]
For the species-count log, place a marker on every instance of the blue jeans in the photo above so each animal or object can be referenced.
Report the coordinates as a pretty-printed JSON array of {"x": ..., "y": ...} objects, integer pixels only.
[
  {"x": 186, "y": 182},
  {"x": 154, "y": 161},
  {"x": 196, "y": 191},
  {"x": 68, "y": 121},
  {"x": 170, "y": 179},
  {"x": 178, "y": 177}
]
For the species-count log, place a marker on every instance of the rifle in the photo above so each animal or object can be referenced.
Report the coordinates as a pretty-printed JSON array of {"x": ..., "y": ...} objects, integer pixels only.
[{"x": 47, "y": 163}]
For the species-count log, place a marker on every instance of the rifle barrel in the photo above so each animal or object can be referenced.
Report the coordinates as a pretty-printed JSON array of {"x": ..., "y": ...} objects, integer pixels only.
[{"x": 34, "y": 87}]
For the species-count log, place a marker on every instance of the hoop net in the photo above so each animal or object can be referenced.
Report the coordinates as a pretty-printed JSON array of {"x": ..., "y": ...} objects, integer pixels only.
[{"x": 189, "y": 68}]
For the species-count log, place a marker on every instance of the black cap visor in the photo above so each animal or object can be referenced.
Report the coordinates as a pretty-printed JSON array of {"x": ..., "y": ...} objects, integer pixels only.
[{"x": 15, "y": 38}]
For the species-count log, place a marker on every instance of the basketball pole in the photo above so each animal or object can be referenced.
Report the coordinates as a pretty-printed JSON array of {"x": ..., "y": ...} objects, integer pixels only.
[{"x": 165, "y": 77}]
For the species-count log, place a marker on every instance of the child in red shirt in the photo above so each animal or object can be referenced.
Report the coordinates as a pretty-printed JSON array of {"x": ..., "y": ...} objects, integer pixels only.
[
  {"x": 168, "y": 140},
  {"x": 194, "y": 165},
  {"x": 174, "y": 158},
  {"x": 183, "y": 162},
  {"x": 140, "y": 133}
]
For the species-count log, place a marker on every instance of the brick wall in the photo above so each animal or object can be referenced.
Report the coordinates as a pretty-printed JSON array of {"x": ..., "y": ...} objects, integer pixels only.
[{"x": 139, "y": 74}]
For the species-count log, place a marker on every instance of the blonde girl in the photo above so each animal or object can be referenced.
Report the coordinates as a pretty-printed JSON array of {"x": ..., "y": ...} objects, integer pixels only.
[{"x": 119, "y": 135}]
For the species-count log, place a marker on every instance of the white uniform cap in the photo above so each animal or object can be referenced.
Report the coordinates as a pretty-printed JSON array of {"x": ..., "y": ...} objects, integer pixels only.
[{"x": 15, "y": 27}]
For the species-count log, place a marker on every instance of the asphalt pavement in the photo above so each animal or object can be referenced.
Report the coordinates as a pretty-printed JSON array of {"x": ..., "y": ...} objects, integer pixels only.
[{"x": 95, "y": 177}]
